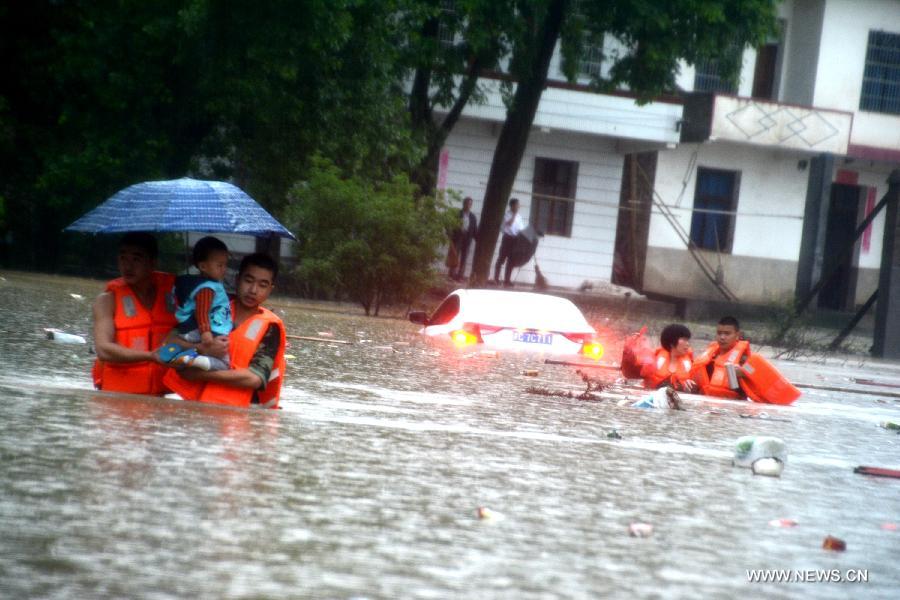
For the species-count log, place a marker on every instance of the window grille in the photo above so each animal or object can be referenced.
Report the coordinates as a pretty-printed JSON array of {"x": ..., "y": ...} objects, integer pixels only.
[
  {"x": 712, "y": 225},
  {"x": 881, "y": 78}
]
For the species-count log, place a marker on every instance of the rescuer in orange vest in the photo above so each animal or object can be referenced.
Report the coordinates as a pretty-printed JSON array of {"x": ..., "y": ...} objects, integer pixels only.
[
  {"x": 256, "y": 347},
  {"x": 718, "y": 370},
  {"x": 671, "y": 364},
  {"x": 132, "y": 318}
]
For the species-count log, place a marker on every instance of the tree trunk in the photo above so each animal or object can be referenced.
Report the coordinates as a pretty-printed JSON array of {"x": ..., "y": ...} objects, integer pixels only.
[{"x": 513, "y": 139}]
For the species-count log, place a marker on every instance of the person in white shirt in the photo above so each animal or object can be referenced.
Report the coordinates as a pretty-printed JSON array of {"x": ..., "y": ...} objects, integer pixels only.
[{"x": 512, "y": 225}]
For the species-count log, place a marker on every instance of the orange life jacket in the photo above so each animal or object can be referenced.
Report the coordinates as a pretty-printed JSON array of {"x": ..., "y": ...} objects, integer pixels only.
[
  {"x": 763, "y": 383},
  {"x": 139, "y": 329},
  {"x": 717, "y": 383},
  {"x": 636, "y": 352},
  {"x": 666, "y": 371},
  {"x": 242, "y": 345}
]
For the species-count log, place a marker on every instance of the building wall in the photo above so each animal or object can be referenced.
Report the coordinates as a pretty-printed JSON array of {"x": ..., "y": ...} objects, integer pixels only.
[
  {"x": 804, "y": 27},
  {"x": 842, "y": 60},
  {"x": 564, "y": 261},
  {"x": 767, "y": 228}
]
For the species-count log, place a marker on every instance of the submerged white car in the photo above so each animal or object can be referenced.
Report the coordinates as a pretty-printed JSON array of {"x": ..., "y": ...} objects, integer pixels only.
[{"x": 507, "y": 320}]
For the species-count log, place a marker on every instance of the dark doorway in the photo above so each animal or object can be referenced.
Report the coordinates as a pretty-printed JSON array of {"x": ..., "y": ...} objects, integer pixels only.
[
  {"x": 633, "y": 226},
  {"x": 764, "y": 75},
  {"x": 839, "y": 293}
]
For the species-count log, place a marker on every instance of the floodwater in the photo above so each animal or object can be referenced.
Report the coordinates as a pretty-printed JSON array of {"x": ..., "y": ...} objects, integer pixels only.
[{"x": 367, "y": 483}]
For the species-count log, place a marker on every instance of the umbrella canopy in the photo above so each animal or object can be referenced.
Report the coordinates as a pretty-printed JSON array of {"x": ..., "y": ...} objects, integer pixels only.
[{"x": 181, "y": 205}]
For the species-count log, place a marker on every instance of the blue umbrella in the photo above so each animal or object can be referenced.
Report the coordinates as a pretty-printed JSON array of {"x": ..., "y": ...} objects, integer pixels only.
[{"x": 181, "y": 205}]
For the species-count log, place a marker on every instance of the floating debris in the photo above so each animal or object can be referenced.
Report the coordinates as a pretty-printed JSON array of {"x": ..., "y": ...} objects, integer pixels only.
[
  {"x": 891, "y": 425},
  {"x": 530, "y": 372},
  {"x": 782, "y": 523},
  {"x": 878, "y": 472},
  {"x": 889, "y": 526},
  {"x": 752, "y": 448},
  {"x": 61, "y": 337},
  {"x": 640, "y": 530},
  {"x": 834, "y": 544},
  {"x": 614, "y": 435},
  {"x": 661, "y": 398},
  {"x": 770, "y": 467},
  {"x": 564, "y": 394},
  {"x": 324, "y": 334},
  {"x": 486, "y": 514},
  {"x": 289, "y": 356},
  {"x": 77, "y": 296}
]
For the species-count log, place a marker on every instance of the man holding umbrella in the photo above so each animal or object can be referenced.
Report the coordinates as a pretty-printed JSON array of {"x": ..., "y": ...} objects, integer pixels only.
[{"x": 132, "y": 318}]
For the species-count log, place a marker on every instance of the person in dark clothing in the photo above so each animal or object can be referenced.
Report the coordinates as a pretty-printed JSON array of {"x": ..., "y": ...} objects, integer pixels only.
[{"x": 463, "y": 235}]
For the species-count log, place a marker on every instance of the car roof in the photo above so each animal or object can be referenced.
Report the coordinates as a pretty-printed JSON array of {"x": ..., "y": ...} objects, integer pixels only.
[{"x": 521, "y": 310}]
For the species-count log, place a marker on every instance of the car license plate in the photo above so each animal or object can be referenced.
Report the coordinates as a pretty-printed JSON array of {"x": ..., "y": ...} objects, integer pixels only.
[{"x": 533, "y": 338}]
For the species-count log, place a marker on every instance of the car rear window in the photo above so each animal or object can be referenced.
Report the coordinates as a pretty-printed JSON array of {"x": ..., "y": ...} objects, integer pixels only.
[{"x": 445, "y": 312}]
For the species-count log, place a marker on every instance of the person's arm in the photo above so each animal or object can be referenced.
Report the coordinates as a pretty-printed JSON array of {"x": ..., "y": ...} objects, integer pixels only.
[
  {"x": 217, "y": 347},
  {"x": 105, "y": 344},
  {"x": 255, "y": 375},
  {"x": 203, "y": 304}
]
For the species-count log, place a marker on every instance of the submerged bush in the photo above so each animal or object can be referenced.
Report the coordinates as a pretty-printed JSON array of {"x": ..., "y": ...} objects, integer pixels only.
[{"x": 374, "y": 242}]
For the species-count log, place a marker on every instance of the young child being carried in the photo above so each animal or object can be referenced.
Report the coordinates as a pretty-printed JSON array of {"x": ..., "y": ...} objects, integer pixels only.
[{"x": 203, "y": 309}]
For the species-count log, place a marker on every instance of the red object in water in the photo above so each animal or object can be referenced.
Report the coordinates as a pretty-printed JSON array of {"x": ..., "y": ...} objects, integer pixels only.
[
  {"x": 833, "y": 543},
  {"x": 782, "y": 523},
  {"x": 878, "y": 472},
  {"x": 889, "y": 526}
]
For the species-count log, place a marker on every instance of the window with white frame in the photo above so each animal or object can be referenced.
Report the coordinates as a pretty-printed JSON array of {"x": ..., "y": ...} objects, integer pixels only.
[
  {"x": 881, "y": 78},
  {"x": 553, "y": 196},
  {"x": 591, "y": 62}
]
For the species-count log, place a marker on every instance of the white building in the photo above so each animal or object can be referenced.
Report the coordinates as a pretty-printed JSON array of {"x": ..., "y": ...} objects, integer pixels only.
[{"x": 769, "y": 179}]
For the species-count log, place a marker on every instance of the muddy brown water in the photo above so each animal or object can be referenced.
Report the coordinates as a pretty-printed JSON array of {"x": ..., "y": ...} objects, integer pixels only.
[{"x": 367, "y": 483}]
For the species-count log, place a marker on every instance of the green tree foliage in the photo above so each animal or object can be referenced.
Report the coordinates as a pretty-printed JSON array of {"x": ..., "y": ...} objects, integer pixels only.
[
  {"x": 651, "y": 38},
  {"x": 99, "y": 95},
  {"x": 374, "y": 242}
]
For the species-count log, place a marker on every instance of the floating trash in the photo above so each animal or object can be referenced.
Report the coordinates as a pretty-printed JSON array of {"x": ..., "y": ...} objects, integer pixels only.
[
  {"x": 289, "y": 356},
  {"x": 891, "y": 425},
  {"x": 878, "y": 472},
  {"x": 782, "y": 523},
  {"x": 769, "y": 452},
  {"x": 486, "y": 514},
  {"x": 640, "y": 530},
  {"x": 614, "y": 435},
  {"x": 770, "y": 467},
  {"x": 530, "y": 372},
  {"x": 889, "y": 526},
  {"x": 324, "y": 334},
  {"x": 61, "y": 337},
  {"x": 77, "y": 296},
  {"x": 661, "y": 398},
  {"x": 834, "y": 544}
]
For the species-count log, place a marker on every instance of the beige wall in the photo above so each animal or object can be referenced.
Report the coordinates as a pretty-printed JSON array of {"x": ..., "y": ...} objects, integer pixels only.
[{"x": 753, "y": 279}]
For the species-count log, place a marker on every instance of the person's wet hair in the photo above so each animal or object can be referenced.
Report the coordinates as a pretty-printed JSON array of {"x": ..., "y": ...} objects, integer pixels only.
[
  {"x": 142, "y": 240},
  {"x": 729, "y": 320},
  {"x": 513, "y": 202},
  {"x": 261, "y": 260},
  {"x": 206, "y": 246},
  {"x": 670, "y": 335}
]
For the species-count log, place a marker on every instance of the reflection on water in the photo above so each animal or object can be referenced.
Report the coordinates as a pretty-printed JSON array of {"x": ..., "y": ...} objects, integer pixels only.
[{"x": 367, "y": 483}]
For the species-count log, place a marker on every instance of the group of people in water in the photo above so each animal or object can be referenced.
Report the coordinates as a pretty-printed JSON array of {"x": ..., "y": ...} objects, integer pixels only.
[
  {"x": 726, "y": 369},
  {"x": 155, "y": 333}
]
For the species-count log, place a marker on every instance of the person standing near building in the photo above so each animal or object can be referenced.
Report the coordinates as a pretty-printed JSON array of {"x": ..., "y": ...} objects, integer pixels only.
[
  {"x": 512, "y": 225},
  {"x": 462, "y": 237}
]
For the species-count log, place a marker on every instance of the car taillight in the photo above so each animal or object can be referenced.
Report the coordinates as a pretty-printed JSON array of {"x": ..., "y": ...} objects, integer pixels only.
[
  {"x": 462, "y": 338},
  {"x": 592, "y": 349}
]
